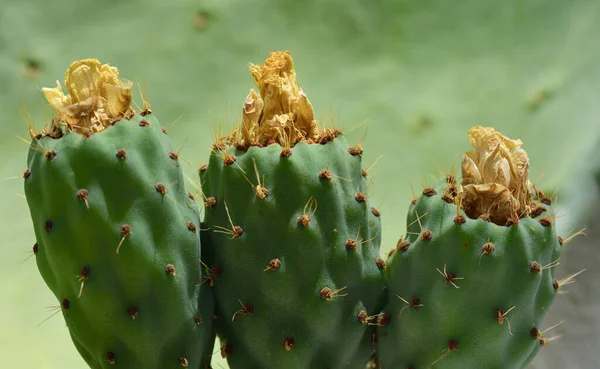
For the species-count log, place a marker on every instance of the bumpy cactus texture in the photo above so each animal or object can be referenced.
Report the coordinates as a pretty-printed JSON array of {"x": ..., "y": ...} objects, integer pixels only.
[
  {"x": 118, "y": 238},
  {"x": 421, "y": 72},
  {"x": 469, "y": 289},
  {"x": 473, "y": 292},
  {"x": 291, "y": 243}
]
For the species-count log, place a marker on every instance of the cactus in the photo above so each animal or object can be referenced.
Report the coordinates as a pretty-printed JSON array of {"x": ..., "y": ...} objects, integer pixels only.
[
  {"x": 292, "y": 275},
  {"x": 421, "y": 72},
  {"x": 117, "y": 235},
  {"x": 471, "y": 283},
  {"x": 291, "y": 243}
]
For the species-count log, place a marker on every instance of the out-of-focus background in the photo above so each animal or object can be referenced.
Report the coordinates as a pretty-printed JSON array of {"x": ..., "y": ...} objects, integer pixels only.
[{"x": 414, "y": 75}]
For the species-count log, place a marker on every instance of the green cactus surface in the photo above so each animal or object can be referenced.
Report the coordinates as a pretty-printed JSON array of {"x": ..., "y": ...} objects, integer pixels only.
[
  {"x": 481, "y": 286},
  {"x": 468, "y": 291},
  {"x": 291, "y": 246},
  {"x": 421, "y": 72},
  {"x": 118, "y": 244}
]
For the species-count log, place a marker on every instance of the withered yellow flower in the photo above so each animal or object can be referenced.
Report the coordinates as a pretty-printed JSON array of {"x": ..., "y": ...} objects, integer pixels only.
[
  {"x": 96, "y": 96},
  {"x": 495, "y": 177},
  {"x": 281, "y": 112}
]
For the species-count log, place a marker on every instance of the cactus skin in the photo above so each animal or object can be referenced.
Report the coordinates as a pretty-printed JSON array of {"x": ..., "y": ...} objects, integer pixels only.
[
  {"x": 132, "y": 313},
  {"x": 488, "y": 279},
  {"x": 290, "y": 324}
]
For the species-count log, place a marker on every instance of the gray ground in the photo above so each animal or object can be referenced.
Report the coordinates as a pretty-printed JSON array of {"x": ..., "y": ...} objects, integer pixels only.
[{"x": 579, "y": 344}]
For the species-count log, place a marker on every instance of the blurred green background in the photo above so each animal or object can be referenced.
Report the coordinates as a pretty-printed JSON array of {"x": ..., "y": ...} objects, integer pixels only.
[{"x": 414, "y": 74}]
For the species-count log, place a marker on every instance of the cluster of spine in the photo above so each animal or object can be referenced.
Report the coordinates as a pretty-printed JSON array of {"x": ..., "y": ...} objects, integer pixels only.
[{"x": 285, "y": 265}]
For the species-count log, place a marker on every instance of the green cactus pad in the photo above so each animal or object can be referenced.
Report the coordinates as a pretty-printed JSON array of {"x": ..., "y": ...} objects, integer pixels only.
[
  {"x": 467, "y": 289},
  {"x": 312, "y": 231},
  {"x": 291, "y": 243},
  {"x": 118, "y": 244},
  {"x": 488, "y": 268}
]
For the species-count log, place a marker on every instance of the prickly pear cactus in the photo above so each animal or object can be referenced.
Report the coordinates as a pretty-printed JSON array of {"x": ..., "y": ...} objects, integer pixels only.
[
  {"x": 117, "y": 235},
  {"x": 471, "y": 283},
  {"x": 421, "y": 71},
  {"x": 290, "y": 241}
]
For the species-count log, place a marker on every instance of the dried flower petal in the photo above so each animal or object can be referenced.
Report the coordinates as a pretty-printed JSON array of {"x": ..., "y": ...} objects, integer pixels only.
[
  {"x": 495, "y": 177},
  {"x": 96, "y": 97},
  {"x": 282, "y": 112}
]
